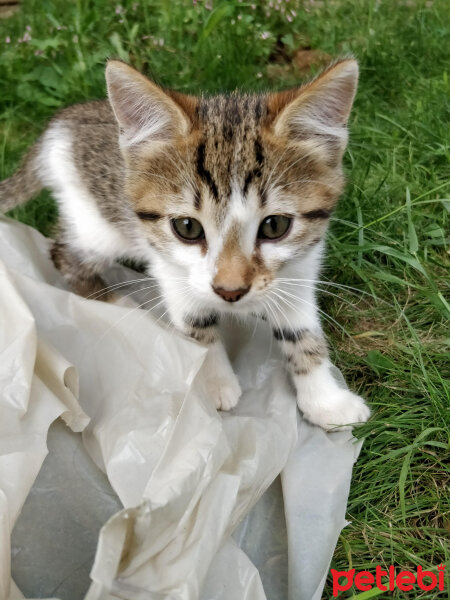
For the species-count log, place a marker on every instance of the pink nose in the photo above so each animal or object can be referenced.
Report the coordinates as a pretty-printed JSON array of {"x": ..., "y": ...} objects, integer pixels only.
[{"x": 231, "y": 295}]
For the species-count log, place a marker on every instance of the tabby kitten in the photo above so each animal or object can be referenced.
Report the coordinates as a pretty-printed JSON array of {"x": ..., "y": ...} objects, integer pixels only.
[{"x": 226, "y": 198}]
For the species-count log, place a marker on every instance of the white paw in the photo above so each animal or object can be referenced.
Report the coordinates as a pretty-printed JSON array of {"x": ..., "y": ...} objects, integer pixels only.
[
  {"x": 341, "y": 408},
  {"x": 222, "y": 385},
  {"x": 225, "y": 391}
]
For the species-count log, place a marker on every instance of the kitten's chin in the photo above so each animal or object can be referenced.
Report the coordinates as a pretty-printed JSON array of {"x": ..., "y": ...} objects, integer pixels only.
[{"x": 242, "y": 307}]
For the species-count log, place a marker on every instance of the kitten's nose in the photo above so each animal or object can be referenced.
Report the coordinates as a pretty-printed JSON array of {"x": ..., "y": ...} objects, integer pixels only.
[{"x": 231, "y": 295}]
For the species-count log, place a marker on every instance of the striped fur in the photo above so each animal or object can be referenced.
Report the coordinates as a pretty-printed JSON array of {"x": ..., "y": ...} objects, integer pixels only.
[{"x": 125, "y": 172}]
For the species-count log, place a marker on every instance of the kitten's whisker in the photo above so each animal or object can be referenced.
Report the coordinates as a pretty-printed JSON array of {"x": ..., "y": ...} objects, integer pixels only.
[
  {"x": 265, "y": 307},
  {"x": 292, "y": 281},
  {"x": 149, "y": 287},
  {"x": 274, "y": 315},
  {"x": 192, "y": 303},
  {"x": 125, "y": 283},
  {"x": 114, "y": 286},
  {"x": 322, "y": 291},
  {"x": 278, "y": 307},
  {"x": 296, "y": 307},
  {"x": 153, "y": 286},
  {"x": 360, "y": 294},
  {"x": 146, "y": 311},
  {"x": 288, "y": 321},
  {"x": 328, "y": 317},
  {"x": 128, "y": 313}
]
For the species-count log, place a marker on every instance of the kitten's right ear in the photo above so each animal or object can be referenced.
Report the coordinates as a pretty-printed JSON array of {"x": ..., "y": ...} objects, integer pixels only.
[
  {"x": 319, "y": 110},
  {"x": 144, "y": 111}
]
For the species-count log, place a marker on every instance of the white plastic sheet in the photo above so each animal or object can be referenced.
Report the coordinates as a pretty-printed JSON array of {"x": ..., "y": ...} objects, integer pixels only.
[{"x": 186, "y": 475}]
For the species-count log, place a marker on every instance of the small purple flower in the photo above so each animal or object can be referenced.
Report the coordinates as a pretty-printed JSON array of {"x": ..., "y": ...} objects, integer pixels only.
[
  {"x": 265, "y": 35},
  {"x": 7, "y": 40},
  {"x": 119, "y": 9},
  {"x": 289, "y": 18}
]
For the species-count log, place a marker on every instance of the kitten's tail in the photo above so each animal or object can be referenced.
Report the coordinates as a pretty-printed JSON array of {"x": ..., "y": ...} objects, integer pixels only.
[{"x": 23, "y": 185}]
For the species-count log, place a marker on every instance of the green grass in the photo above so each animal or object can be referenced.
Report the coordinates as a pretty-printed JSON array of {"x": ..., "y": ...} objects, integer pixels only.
[{"x": 388, "y": 237}]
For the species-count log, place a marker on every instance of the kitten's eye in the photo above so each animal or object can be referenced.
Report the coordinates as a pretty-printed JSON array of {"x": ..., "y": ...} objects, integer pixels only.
[
  {"x": 189, "y": 230},
  {"x": 274, "y": 227}
]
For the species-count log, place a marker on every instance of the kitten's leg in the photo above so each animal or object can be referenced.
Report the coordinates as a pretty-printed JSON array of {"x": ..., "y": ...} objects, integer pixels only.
[
  {"x": 81, "y": 273},
  {"x": 319, "y": 397},
  {"x": 221, "y": 382}
]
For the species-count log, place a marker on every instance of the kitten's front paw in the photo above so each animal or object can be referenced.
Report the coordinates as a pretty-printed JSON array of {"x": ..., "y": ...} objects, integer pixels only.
[
  {"x": 341, "y": 408},
  {"x": 226, "y": 391},
  {"x": 221, "y": 382}
]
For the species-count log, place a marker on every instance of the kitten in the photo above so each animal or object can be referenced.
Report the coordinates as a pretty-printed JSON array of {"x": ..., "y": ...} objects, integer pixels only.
[{"x": 227, "y": 198}]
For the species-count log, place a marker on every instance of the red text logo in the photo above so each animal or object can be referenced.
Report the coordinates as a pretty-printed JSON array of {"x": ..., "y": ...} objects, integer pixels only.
[{"x": 403, "y": 580}]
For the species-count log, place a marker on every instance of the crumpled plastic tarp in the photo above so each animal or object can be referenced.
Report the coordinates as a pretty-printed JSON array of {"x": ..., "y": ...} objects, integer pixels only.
[{"x": 193, "y": 504}]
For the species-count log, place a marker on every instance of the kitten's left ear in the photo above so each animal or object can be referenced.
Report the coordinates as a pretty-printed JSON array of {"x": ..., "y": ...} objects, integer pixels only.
[
  {"x": 144, "y": 111},
  {"x": 318, "y": 110}
]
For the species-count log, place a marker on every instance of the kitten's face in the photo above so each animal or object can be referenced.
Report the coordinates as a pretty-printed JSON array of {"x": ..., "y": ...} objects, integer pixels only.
[{"x": 232, "y": 190}]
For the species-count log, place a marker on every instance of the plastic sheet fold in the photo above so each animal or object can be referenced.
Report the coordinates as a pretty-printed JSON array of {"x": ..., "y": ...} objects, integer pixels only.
[{"x": 193, "y": 504}]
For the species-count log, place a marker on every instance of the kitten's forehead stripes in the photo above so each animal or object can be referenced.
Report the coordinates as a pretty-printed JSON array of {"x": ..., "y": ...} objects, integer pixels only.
[
  {"x": 230, "y": 151},
  {"x": 255, "y": 173},
  {"x": 204, "y": 173}
]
